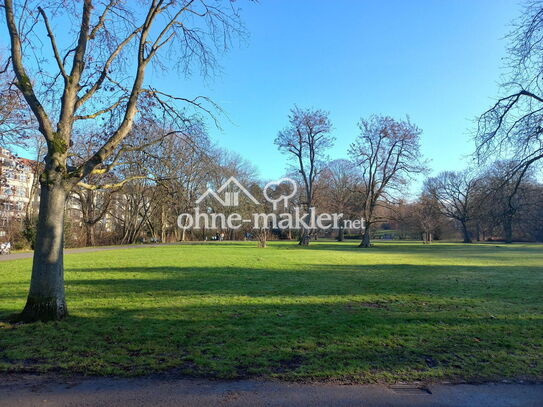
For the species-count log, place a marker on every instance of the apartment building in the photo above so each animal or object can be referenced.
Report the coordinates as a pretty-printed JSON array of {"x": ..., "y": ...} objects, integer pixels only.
[
  {"x": 16, "y": 179},
  {"x": 16, "y": 193}
]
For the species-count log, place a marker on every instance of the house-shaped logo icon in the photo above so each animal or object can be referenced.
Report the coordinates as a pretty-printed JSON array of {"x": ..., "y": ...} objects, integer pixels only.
[{"x": 231, "y": 198}]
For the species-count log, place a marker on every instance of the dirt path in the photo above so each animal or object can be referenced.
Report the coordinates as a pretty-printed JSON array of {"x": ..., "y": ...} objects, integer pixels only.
[{"x": 44, "y": 390}]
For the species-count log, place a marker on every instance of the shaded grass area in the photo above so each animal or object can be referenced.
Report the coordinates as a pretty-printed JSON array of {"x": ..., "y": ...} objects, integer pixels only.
[{"x": 396, "y": 312}]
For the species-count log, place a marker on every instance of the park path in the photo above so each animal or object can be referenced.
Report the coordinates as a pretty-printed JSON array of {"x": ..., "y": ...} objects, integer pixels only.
[
  {"x": 43, "y": 390},
  {"x": 28, "y": 255}
]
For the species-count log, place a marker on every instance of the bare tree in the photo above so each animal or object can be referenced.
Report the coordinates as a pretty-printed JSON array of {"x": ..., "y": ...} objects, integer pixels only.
[
  {"x": 512, "y": 126},
  {"x": 428, "y": 216},
  {"x": 94, "y": 205},
  {"x": 337, "y": 188},
  {"x": 139, "y": 201},
  {"x": 505, "y": 193},
  {"x": 184, "y": 166},
  {"x": 387, "y": 152},
  {"x": 100, "y": 76},
  {"x": 457, "y": 194},
  {"x": 306, "y": 140},
  {"x": 149, "y": 205}
]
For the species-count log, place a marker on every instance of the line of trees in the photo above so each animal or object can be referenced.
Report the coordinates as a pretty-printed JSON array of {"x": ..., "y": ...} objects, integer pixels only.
[
  {"x": 496, "y": 203},
  {"x": 452, "y": 205},
  {"x": 371, "y": 184}
]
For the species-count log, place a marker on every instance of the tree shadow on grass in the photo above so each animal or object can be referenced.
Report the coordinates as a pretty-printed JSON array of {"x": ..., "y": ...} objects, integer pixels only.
[
  {"x": 413, "y": 248},
  {"x": 353, "y": 322},
  {"x": 462, "y": 282},
  {"x": 302, "y": 340}
]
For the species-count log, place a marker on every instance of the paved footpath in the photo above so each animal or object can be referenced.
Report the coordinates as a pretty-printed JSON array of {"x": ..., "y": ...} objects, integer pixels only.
[
  {"x": 44, "y": 390},
  {"x": 28, "y": 255}
]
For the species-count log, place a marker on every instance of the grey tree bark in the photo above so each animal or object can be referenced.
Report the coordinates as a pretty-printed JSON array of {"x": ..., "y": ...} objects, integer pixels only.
[
  {"x": 341, "y": 234},
  {"x": 46, "y": 299},
  {"x": 90, "y": 234},
  {"x": 366, "y": 242},
  {"x": 508, "y": 229},
  {"x": 466, "y": 233},
  {"x": 304, "y": 238}
]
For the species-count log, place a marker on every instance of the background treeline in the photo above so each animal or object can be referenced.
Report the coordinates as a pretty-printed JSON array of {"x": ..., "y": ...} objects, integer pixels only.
[{"x": 492, "y": 204}]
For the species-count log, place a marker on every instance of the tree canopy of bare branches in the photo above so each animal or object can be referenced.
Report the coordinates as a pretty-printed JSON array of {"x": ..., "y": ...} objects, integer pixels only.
[
  {"x": 512, "y": 127},
  {"x": 457, "y": 194},
  {"x": 16, "y": 126},
  {"x": 305, "y": 141},
  {"x": 387, "y": 153}
]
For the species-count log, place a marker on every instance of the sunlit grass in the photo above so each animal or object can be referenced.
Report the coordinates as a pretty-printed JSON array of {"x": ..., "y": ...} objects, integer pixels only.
[{"x": 399, "y": 311}]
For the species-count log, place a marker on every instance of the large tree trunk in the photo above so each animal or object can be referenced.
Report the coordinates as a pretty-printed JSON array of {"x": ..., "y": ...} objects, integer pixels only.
[
  {"x": 163, "y": 221},
  {"x": 89, "y": 236},
  {"x": 305, "y": 232},
  {"x": 365, "y": 243},
  {"x": 465, "y": 232},
  {"x": 341, "y": 234},
  {"x": 304, "y": 238},
  {"x": 46, "y": 299},
  {"x": 262, "y": 235},
  {"x": 508, "y": 229}
]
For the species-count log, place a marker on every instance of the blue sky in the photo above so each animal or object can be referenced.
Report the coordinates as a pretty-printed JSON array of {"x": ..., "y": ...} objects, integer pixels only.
[{"x": 437, "y": 61}]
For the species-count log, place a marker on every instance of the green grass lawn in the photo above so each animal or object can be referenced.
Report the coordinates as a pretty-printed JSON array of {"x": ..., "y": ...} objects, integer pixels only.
[{"x": 396, "y": 312}]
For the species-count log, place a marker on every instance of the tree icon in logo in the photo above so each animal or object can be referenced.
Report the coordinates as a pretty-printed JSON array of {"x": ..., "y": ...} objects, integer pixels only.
[{"x": 282, "y": 198}]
